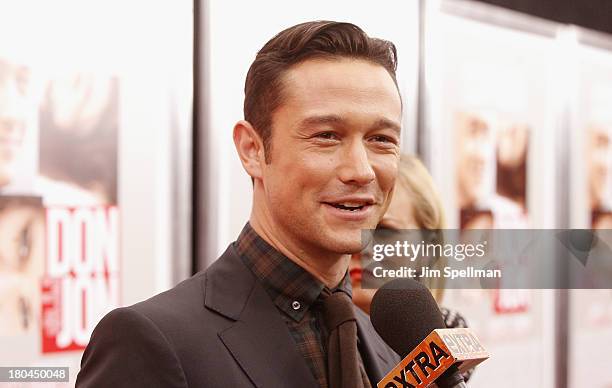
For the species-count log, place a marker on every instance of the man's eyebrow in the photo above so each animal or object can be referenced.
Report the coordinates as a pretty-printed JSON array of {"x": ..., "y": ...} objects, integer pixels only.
[
  {"x": 386, "y": 123},
  {"x": 335, "y": 119},
  {"x": 320, "y": 120}
]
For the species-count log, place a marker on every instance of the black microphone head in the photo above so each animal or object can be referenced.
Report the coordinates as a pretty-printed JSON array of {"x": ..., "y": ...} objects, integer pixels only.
[{"x": 404, "y": 312}]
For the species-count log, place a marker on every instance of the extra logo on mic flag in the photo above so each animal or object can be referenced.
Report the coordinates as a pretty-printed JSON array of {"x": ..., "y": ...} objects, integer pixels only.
[{"x": 433, "y": 356}]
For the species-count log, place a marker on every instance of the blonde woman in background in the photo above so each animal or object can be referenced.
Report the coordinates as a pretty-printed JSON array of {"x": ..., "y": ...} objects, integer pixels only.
[{"x": 416, "y": 204}]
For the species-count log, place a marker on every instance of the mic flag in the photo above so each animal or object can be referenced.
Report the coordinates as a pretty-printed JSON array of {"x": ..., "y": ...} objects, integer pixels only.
[{"x": 439, "y": 351}]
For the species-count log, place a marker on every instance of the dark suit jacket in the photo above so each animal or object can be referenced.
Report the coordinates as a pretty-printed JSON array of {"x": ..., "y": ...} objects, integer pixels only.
[{"x": 217, "y": 329}]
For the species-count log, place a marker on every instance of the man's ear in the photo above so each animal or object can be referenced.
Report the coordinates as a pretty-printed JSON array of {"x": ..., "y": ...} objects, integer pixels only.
[{"x": 250, "y": 148}]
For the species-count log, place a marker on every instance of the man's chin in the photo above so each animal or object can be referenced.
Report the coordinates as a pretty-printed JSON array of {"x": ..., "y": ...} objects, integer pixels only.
[{"x": 348, "y": 242}]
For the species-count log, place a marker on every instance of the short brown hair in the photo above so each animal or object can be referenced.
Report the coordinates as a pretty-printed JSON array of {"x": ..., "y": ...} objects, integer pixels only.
[{"x": 319, "y": 39}]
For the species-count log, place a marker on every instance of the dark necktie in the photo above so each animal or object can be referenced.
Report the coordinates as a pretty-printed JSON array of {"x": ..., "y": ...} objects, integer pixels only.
[{"x": 343, "y": 366}]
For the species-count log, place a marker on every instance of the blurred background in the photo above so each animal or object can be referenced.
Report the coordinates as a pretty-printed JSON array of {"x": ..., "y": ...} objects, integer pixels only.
[{"x": 119, "y": 178}]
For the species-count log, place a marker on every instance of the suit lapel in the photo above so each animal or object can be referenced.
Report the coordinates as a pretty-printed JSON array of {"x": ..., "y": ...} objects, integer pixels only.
[
  {"x": 377, "y": 357},
  {"x": 259, "y": 340}
]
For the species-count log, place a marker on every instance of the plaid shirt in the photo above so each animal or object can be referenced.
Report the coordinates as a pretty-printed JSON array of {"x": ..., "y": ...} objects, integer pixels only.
[{"x": 296, "y": 293}]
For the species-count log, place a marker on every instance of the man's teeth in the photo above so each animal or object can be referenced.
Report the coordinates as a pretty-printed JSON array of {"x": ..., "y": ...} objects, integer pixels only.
[{"x": 349, "y": 206}]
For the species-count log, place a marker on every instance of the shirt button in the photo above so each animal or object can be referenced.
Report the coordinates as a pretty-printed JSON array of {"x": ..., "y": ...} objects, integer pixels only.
[{"x": 296, "y": 305}]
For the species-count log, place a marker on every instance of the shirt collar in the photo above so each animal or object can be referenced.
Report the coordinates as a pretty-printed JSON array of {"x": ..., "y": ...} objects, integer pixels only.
[{"x": 292, "y": 289}]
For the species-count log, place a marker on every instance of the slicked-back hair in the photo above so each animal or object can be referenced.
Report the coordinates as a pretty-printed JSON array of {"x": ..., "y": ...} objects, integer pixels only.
[{"x": 319, "y": 39}]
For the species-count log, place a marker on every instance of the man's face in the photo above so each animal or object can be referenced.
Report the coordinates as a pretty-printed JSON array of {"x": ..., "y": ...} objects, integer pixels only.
[
  {"x": 334, "y": 154},
  {"x": 12, "y": 127}
]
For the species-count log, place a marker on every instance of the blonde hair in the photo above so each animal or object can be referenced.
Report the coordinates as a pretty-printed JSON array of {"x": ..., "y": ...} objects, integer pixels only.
[
  {"x": 426, "y": 203},
  {"x": 427, "y": 209}
]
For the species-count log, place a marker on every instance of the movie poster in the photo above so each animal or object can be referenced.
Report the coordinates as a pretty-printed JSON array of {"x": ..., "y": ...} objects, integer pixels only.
[
  {"x": 595, "y": 118},
  {"x": 491, "y": 166},
  {"x": 488, "y": 122},
  {"x": 22, "y": 222},
  {"x": 59, "y": 215},
  {"x": 78, "y": 123},
  {"x": 591, "y": 310},
  {"x": 491, "y": 116}
]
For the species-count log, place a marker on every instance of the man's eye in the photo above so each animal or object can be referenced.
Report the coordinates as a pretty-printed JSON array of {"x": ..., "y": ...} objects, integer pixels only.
[
  {"x": 383, "y": 139},
  {"x": 327, "y": 136}
]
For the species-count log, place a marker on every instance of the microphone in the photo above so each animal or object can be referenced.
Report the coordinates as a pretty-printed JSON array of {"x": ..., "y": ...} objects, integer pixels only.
[{"x": 407, "y": 317}]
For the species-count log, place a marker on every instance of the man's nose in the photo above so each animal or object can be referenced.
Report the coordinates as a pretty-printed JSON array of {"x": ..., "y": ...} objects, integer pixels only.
[{"x": 355, "y": 168}]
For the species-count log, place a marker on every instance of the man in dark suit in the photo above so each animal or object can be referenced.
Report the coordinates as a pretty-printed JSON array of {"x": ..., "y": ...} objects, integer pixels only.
[{"x": 320, "y": 139}]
